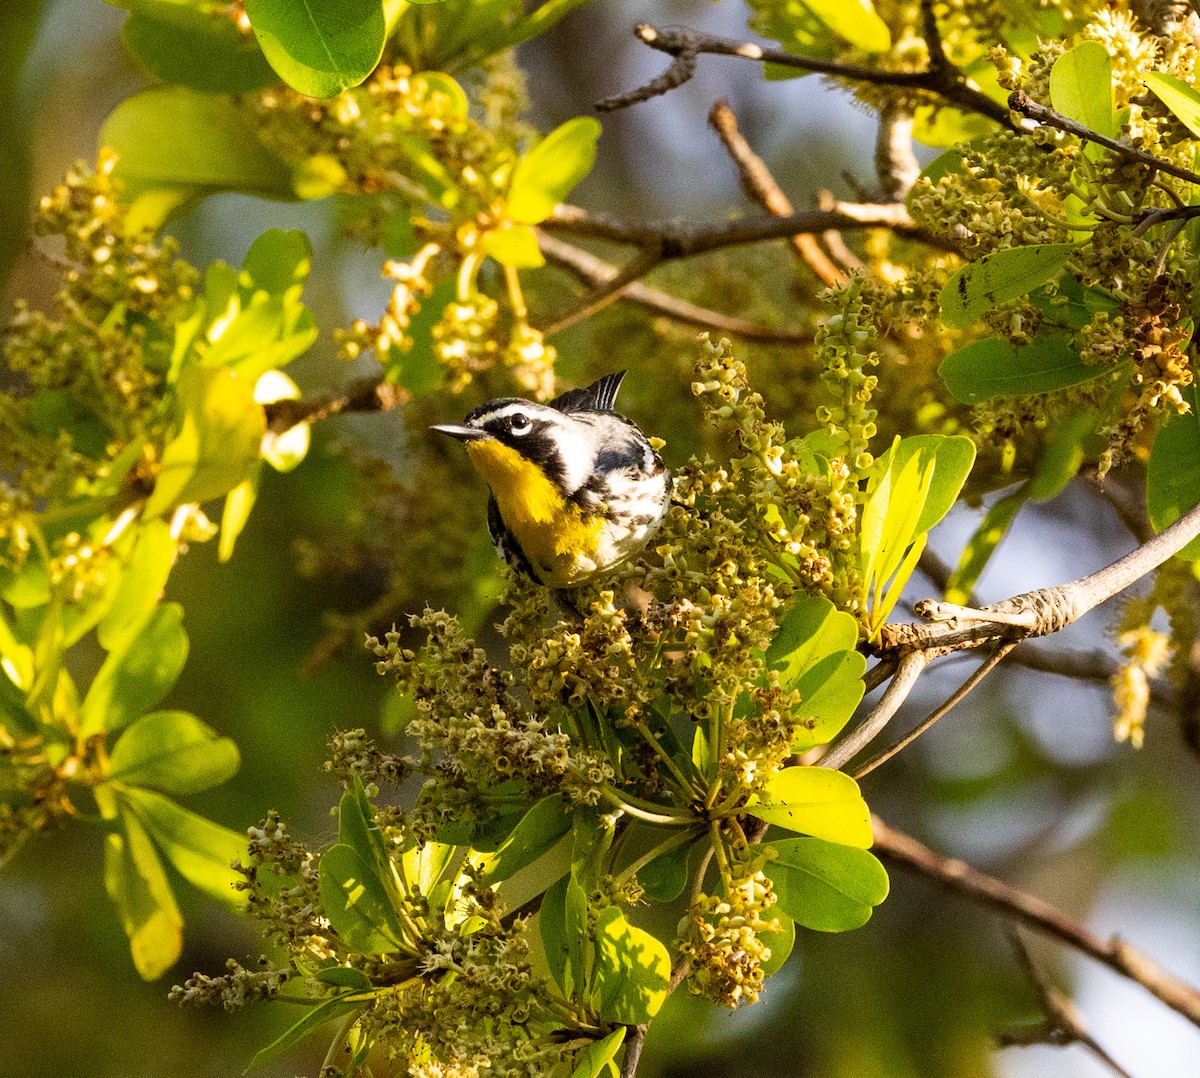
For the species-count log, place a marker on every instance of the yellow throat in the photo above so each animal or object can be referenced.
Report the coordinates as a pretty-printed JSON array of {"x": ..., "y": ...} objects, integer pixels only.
[{"x": 552, "y": 533}]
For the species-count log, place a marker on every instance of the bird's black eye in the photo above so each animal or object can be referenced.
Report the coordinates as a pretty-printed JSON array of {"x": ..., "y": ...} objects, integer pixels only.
[{"x": 519, "y": 423}]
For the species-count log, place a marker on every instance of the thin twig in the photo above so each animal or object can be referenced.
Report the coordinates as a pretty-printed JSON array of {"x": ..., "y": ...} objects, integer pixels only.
[
  {"x": 1063, "y": 1024},
  {"x": 1018, "y": 101},
  {"x": 986, "y": 667},
  {"x": 603, "y": 295},
  {"x": 760, "y": 186},
  {"x": 595, "y": 271},
  {"x": 686, "y": 44},
  {"x": 912, "y": 665},
  {"x": 1121, "y": 957}
]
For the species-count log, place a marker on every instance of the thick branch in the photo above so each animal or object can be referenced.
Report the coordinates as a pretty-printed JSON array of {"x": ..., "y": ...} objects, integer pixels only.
[
  {"x": 1036, "y": 613},
  {"x": 900, "y": 849},
  {"x": 685, "y": 45}
]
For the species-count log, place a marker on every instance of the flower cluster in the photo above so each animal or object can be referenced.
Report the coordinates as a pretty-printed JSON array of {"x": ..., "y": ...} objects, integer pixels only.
[{"x": 723, "y": 940}]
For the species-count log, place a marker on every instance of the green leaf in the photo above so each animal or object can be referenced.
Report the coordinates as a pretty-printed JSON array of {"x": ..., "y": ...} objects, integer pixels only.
[
  {"x": 944, "y": 125},
  {"x": 1062, "y": 457},
  {"x": 552, "y": 925},
  {"x": 537, "y": 833},
  {"x": 631, "y": 971},
  {"x": 1081, "y": 87},
  {"x": 952, "y": 457},
  {"x": 826, "y": 886},
  {"x": 278, "y": 260},
  {"x": 994, "y": 368},
  {"x": 811, "y": 28},
  {"x": 201, "y": 851},
  {"x": 812, "y": 629},
  {"x": 137, "y": 884},
  {"x": 854, "y": 21},
  {"x": 356, "y": 902},
  {"x": 516, "y": 247},
  {"x": 218, "y": 442},
  {"x": 138, "y": 673},
  {"x": 141, "y": 583},
  {"x": 195, "y": 47},
  {"x": 664, "y": 878},
  {"x": 1178, "y": 96},
  {"x": 1172, "y": 478},
  {"x": 174, "y": 752},
  {"x": 550, "y": 171},
  {"x": 177, "y": 145},
  {"x": 816, "y": 801},
  {"x": 593, "y": 1059},
  {"x": 829, "y": 694},
  {"x": 344, "y": 977},
  {"x": 314, "y": 1019},
  {"x": 319, "y": 47},
  {"x": 998, "y": 278},
  {"x": 983, "y": 544}
]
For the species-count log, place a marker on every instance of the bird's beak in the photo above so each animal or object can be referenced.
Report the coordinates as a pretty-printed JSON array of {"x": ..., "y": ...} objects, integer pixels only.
[{"x": 463, "y": 434}]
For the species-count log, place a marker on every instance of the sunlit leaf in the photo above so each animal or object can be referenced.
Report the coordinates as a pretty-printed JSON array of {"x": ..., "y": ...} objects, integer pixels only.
[
  {"x": 824, "y": 885},
  {"x": 1183, "y": 100},
  {"x": 550, "y": 171},
  {"x": 174, "y": 752},
  {"x": 539, "y": 830},
  {"x": 176, "y": 145},
  {"x": 631, "y": 971},
  {"x": 516, "y": 247},
  {"x": 141, "y": 584},
  {"x": 137, "y": 884},
  {"x": 138, "y": 673},
  {"x": 593, "y": 1059},
  {"x": 201, "y": 851},
  {"x": 357, "y": 902},
  {"x": 319, "y": 47},
  {"x": 1081, "y": 87},
  {"x": 978, "y": 550},
  {"x": 817, "y": 801},
  {"x": 218, "y": 442}
]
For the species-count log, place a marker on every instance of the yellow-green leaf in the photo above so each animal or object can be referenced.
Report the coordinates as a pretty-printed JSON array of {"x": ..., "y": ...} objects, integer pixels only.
[{"x": 816, "y": 801}]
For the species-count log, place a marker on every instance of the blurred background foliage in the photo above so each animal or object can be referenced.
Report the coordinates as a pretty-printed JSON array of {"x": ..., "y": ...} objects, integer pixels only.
[{"x": 1024, "y": 781}]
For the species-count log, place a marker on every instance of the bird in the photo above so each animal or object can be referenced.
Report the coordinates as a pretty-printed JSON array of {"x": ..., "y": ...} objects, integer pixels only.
[{"x": 576, "y": 487}]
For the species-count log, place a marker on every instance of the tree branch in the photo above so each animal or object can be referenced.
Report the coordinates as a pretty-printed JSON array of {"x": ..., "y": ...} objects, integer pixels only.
[
  {"x": 1063, "y": 1024},
  {"x": 595, "y": 271},
  {"x": 906, "y": 852},
  {"x": 912, "y": 665},
  {"x": 366, "y": 395},
  {"x": 760, "y": 186},
  {"x": 1035, "y": 613},
  {"x": 1018, "y": 101},
  {"x": 674, "y": 239},
  {"x": 685, "y": 45}
]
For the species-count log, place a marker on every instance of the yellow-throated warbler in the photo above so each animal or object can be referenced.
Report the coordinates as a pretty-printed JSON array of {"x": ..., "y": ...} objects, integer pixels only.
[{"x": 576, "y": 487}]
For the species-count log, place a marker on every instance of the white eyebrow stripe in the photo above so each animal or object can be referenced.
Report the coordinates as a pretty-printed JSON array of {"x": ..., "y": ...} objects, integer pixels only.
[{"x": 502, "y": 412}]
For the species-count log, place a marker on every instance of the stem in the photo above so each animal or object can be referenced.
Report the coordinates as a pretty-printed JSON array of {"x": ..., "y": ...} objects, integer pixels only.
[
  {"x": 620, "y": 801},
  {"x": 679, "y": 838}
]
